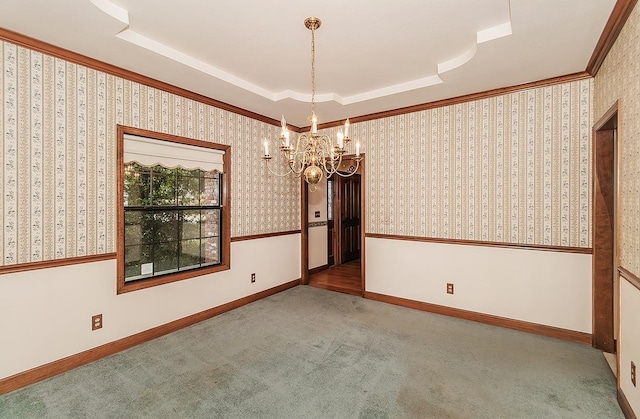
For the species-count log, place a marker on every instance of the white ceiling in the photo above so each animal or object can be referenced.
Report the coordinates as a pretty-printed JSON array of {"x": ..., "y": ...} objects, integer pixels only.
[{"x": 371, "y": 55}]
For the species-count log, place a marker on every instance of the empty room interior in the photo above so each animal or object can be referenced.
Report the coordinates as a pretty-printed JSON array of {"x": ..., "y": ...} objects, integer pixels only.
[{"x": 373, "y": 209}]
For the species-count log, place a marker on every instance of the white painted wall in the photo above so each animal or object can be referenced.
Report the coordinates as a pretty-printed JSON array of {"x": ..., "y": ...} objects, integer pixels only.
[
  {"x": 45, "y": 315},
  {"x": 543, "y": 287},
  {"x": 318, "y": 252},
  {"x": 318, "y": 202},
  {"x": 318, "y": 246},
  {"x": 629, "y": 341}
]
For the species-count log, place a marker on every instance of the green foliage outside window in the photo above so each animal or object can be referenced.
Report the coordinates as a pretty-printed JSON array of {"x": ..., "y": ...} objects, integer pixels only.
[{"x": 172, "y": 220}]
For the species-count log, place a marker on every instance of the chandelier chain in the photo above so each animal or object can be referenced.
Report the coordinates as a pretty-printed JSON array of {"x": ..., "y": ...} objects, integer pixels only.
[{"x": 313, "y": 70}]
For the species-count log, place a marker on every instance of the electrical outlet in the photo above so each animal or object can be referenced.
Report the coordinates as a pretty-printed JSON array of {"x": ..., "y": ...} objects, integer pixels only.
[
  {"x": 253, "y": 278},
  {"x": 449, "y": 288},
  {"x": 96, "y": 322},
  {"x": 633, "y": 373}
]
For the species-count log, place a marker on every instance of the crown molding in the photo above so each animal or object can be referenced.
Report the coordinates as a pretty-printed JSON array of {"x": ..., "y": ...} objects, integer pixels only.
[
  {"x": 621, "y": 12},
  {"x": 459, "y": 99},
  {"x": 55, "y": 51}
]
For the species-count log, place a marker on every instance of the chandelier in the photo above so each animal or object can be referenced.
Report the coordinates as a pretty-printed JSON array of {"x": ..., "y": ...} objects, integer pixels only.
[{"x": 313, "y": 155}]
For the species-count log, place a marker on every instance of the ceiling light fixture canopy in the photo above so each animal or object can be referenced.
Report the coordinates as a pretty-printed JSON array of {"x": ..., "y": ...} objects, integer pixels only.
[{"x": 314, "y": 155}]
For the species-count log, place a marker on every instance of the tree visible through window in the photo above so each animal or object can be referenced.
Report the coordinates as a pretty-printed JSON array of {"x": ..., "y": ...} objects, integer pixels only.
[
  {"x": 171, "y": 220},
  {"x": 173, "y": 208}
]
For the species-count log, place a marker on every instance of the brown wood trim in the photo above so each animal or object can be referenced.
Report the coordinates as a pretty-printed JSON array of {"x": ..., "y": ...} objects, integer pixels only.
[
  {"x": 55, "y": 51},
  {"x": 46, "y": 264},
  {"x": 625, "y": 406},
  {"x": 619, "y": 15},
  {"x": 605, "y": 120},
  {"x": 534, "y": 328},
  {"x": 49, "y": 49},
  {"x": 124, "y": 287},
  {"x": 140, "y": 132},
  {"x": 120, "y": 268},
  {"x": 304, "y": 233},
  {"x": 60, "y": 366},
  {"x": 318, "y": 269},
  {"x": 459, "y": 99},
  {"x": 603, "y": 235},
  {"x": 581, "y": 250},
  {"x": 618, "y": 329},
  {"x": 629, "y": 276},
  {"x": 264, "y": 236},
  {"x": 363, "y": 224},
  {"x": 226, "y": 205},
  {"x": 121, "y": 285}
]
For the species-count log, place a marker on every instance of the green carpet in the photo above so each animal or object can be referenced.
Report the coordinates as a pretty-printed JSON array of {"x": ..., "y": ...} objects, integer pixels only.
[{"x": 311, "y": 353}]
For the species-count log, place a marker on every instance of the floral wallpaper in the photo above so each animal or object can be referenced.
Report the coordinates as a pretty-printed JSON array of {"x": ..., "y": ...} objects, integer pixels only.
[
  {"x": 619, "y": 79},
  {"x": 514, "y": 168},
  {"x": 57, "y": 136}
]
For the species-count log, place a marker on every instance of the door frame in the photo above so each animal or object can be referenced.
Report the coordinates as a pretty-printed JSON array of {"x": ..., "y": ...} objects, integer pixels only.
[
  {"x": 304, "y": 225},
  {"x": 605, "y": 240},
  {"x": 338, "y": 225}
]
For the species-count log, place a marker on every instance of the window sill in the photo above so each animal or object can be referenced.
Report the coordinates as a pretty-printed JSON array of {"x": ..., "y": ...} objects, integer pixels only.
[{"x": 124, "y": 287}]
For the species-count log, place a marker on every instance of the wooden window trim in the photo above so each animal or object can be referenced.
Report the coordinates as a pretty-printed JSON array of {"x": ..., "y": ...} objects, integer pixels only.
[{"x": 225, "y": 245}]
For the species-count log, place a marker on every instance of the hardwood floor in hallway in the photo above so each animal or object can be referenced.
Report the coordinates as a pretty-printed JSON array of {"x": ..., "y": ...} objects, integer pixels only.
[{"x": 343, "y": 278}]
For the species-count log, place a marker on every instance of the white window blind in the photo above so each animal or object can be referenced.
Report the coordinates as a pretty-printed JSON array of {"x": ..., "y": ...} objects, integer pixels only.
[{"x": 151, "y": 152}]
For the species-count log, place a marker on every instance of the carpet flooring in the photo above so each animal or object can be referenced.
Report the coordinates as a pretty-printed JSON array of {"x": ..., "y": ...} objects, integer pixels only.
[{"x": 313, "y": 353}]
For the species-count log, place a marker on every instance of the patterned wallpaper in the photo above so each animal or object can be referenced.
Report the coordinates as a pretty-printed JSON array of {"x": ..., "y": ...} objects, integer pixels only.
[
  {"x": 58, "y": 131},
  {"x": 514, "y": 168},
  {"x": 619, "y": 78}
]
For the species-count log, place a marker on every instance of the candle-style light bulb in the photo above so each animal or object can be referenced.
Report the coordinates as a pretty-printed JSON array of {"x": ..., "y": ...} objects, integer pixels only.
[
  {"x": 357, "y": 148},
  {"x": 266, "y": 147},
  {"x": 286, "y": 138},
  {"x": 346, "y": 128},
  {"x": 340, "y": 139},
  {"x": 283, "y": 122}
]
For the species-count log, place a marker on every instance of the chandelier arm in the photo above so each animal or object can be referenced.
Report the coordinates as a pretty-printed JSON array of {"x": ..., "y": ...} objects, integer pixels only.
[
  {"x": 276, "y": 174},
  {"x": 334, "y": 164},
  {"x": 352, "y": 173},
  {"x": 298, "y": 171}
]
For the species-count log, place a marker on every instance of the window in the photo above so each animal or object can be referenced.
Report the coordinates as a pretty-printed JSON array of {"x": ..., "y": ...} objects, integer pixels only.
[{"x": 172, "y": 209}]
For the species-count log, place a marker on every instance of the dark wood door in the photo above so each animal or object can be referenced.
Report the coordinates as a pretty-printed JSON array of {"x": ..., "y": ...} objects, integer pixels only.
[
  {"x": 349, "y": 218},
  {"x": 331, "y": 233}
]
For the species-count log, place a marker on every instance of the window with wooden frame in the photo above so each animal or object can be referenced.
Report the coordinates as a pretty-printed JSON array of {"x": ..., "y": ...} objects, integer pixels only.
[{"x": 173, "y": 208}]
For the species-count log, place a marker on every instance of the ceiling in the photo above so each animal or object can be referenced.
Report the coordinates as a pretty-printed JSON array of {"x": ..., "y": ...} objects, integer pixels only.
[{"x": 371, "y": 55}]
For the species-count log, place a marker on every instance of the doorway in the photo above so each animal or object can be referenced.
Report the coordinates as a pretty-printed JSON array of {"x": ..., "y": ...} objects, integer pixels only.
[
  {"x": 605, "y": 235},
  {"x": 345, "y": 229},
  {"x": 345, "y": 235}
]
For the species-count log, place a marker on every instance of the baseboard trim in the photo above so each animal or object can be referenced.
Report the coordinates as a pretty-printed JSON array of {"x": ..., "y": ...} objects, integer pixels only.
[
  {"x": 625, "y": 406},
  {"x": 537, "y": 329},
  {"x": 318, "y": 269},
  {"x": 60, "y": 366}
]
